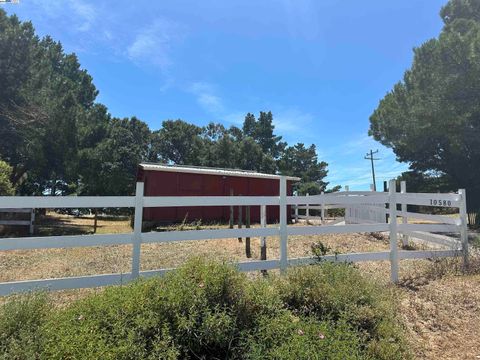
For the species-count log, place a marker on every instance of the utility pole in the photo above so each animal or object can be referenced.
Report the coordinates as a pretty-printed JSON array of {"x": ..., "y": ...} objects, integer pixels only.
[{"x": 370, "y": 157}]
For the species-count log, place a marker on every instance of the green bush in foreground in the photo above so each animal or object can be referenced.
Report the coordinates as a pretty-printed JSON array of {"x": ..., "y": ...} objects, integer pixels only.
[
  {"x": 209, "y": 310},
  {"x": 287, "y": 336},
  {"x": 21, "y": 321},
  {"x": 339, "y": 292}
]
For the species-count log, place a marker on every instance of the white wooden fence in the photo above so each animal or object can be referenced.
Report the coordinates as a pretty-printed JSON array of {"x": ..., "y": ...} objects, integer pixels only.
[
  {"x": 30, "y": 223},
  {"x": 322, "y": 217},
  {"x": 281, "y": 230}
]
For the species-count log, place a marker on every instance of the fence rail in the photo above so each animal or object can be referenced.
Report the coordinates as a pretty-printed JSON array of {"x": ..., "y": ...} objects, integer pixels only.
[
  {"x": 348, "y": 200},
  {"x": 14, "y": 222},
  {"x": 52, "y": 202}
]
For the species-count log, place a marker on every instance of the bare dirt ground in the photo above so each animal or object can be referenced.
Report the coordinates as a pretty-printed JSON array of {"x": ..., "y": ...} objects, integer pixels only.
[
  {"x": 440, "y": 306},
  {"x": 443, "y": 318}
]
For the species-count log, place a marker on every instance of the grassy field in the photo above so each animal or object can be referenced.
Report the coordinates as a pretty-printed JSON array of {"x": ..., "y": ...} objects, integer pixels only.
[{"x": 441, "y": 308}]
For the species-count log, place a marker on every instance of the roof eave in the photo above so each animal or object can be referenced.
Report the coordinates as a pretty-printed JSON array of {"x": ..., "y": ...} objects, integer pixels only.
[{"x": 212, "y": 171}]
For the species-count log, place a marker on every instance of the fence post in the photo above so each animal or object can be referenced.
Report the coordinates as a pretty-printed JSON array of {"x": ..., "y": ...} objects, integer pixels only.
[
  {"x": 231, "y": 219},
  {"x": 393, "y": 231},
  {"x": 95, "y": 220},
  {"x": 240, "y": 213},
  {"x": 385, "y": 189},
  {"x": 248, "y": 251},
  {"x": 403, "y": 190},
  {"x": 349, "y": 209},
  {"x": 307, "y": 210},
  {"x": 263, "y": 239},
  {"x": 322, "y": 211},
  {"x": 464, "y": 227},
  {"x": 283, "y": 225},
  {"x": 296, "y": 212},
  {"x": 32, "y": 221},
  {"x": 137, "y": 230}
]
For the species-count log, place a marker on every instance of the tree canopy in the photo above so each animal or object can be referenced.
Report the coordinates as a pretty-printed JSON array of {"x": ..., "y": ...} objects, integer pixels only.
[
  {"x": 303, "y": 162},
  {"x": 431, "y": 119}
]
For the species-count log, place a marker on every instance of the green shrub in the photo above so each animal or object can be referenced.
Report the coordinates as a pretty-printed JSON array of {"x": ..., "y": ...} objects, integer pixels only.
[
  {"x": 21, "y": 319},
  {"x": 201, "y": 301},
  {"x": 120, "y": 323},
  {"x": 339, "y": 292},
  {"x": 260, "y": 299},
  {"x": 319, "y": 249},
  {"x": 209, "y": 310},
  {"x": 287, "y": 336},
  {"x": 188, "y": 313},
  {"x": 326, "y": 290}
]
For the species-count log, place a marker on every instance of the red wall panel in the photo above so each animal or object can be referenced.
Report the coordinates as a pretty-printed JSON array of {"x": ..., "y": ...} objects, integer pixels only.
[{"x": 162, "y": 183}]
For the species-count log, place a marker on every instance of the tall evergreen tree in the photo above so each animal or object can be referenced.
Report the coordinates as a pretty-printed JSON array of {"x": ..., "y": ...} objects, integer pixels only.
[
  {"x": 249, "y": 125},
  {"x": 301, "y": 161},
  {"x": 431, "y": 119},
  {"x": 262, "y": 131},
  {"x": 43, "y": 95}
]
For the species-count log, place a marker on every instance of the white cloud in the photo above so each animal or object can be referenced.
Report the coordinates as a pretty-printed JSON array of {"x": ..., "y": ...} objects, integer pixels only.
[
  {"x": 207, "y": 98},
  {"x": 79, "y": 14},
  {"x": 94, "y": 27},
  {"x": 363, "y": 143},
  {"x": 153, "y": 43},
  {"x": 292, "y": 120},
  {"x": 86, "y": 14},
  {"x": 235, "y": 118},
  {"x": 50, "y": 8}
]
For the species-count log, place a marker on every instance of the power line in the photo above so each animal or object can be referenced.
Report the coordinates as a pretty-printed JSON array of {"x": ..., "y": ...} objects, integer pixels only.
[{"x": 370, "y": 157}]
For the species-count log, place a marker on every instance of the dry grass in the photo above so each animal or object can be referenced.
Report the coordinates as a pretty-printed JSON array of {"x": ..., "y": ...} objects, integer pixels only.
[
  {"x": 441, "y": 308},
  {"x": 57, "y": 224},
  {"x": 443, "y": 318}
]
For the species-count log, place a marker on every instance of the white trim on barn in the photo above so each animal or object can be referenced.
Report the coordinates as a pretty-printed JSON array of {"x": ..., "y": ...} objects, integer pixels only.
[{"x": 212, "y": 171}]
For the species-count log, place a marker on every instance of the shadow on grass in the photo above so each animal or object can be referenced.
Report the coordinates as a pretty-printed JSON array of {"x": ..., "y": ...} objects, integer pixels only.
[
  {"x": 48, "y": 225},
  {"x": 57, "y": 230},
  {"x": 54, "y": 225},
  {"x": 46, "y": 230},
  {"x": 69, "y": 219}
]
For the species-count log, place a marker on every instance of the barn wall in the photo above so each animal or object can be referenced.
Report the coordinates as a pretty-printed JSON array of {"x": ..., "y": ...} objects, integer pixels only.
[{"x": 161, "y": 183}]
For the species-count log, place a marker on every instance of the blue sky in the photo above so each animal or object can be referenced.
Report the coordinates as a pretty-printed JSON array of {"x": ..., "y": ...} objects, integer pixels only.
[{"x": 321, "y": 67}]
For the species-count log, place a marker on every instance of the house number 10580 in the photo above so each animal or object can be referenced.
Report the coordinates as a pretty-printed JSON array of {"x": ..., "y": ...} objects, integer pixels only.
[{"x": 440, "y": 202}]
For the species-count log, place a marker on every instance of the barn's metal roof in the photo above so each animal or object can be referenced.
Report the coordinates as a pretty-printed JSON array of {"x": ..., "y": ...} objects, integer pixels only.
[{"x": 211, "y": 171}]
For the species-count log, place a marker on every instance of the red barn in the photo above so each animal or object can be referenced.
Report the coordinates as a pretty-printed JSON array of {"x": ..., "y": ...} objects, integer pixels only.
[{"x": 168, "y": 180}]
